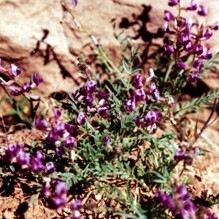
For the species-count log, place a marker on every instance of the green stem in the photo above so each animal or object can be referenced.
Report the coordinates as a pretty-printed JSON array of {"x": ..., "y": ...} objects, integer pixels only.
[
  {"x": 168, "y": 71},
  {"x": 101, "y": 51}
]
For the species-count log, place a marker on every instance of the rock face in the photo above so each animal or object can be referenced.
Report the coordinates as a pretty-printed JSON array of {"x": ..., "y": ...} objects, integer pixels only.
[{"x": 34, "y": 35}]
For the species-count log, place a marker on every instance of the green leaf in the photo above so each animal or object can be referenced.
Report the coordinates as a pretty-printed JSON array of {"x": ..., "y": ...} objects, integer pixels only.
[
  {"x": 127, "y": 121},
  {"x": 161, "y": 178},
  {"x": 126, "y": 66},
  {"x": 70, "y": 179},
  {"x": 196, "y": 104}
]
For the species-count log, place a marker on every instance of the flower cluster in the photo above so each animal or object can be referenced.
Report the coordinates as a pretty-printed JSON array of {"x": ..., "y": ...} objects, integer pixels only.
[
  {"x": 179, "y": 204},
  {"x": 92, "y": 100},
  {"x": 186, "y": 38},
  {"x": 139, "y": 94},
  {"x": 38, "y": 163},
  {"x": 60, "y": 134},
  {"x": 27, "y": 86},
  {"x": 15, "y": 89},
  {"x": 55, "y": 193},
  {"x": 16, "y": 153},
  {"x": 139, "y": 97},
  {"x": 186, "y": 155}
]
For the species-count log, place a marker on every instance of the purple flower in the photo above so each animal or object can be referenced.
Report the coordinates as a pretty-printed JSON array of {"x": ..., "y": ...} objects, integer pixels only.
[
  {"x": 81, "y": 118},
  {"x": 181, "y": 64},
  {"x": 138, "y": 121},
  {"x": 106, "y": 140},
  {"x": 202, "y": 11},
  {"x": 186, "y": 156},
  {"x": 70, "y": 142},
  {"x": 83, "y": 91},
  {"x": 26, "y": 87},
  {"x": 168, "y": 16},
  {"x": 165, "y": 27},
  {"x": 184, "y": 38},
  {"x": 198, "y": 64},
  {"x": 165, "y": 199},
  {"x": 207, "y": 55},
  {"x": 59, "y": 128},
  {"x": 172, "y": 2},
  {"x": 52, "y": 137},
  {"x": 57, "y": 113},
  {"x": 198, "y": 49},
  {"x": 137, "y": 81},
  {"x": 59, "y": 151},
  {"x": 102, "y": 95},
  {"x": 189, "y": 47},
  {"x": 179, "y": 155},
  {"x": 11, "y": 152},
  {"x": 153, "y": 91},
  {"x": 168, "y": 48},
  {"x": 61, "y": 188},
  {"x": 56, "y": 193},
  {"x": 152, "y": 117},
  {"x": 59, "y": 201},
  {"x": 88, "y": 100},
  {"x": 193, "y": 76},
  {"x": 183, "y": 25},
  {"x": 103, "y": 110},
  {"x": 40, "y": 156},
  {"x": 211, "y": 215},
  {"x": 208, "y": 34},
  {"x": 41, "y": 124},
  {"x": 179, "y": 204},
  {"x": 153, "y": 88},
  {"x": 17, "y": 153},
  {"x": 71, "y": 129},
  {"x": 130, "y": 105},
  {"x": 91, "y": 86},
  {"x": 37, "y": 162},
  {"x": 215, "y": 26},
  {"x": 37, "y": 79},
  {"x": 192, "y": 6},
  {"x": 140, "y": 94},
  {"x": 74, "y": 3},
  {"x": 75, "y": 207},
  {"x": 49, "y": 167},
  {"x": 36, "y": 165},
  {"x": 23, "y": 158},
  {"x": 15, "y": 90},
  {"x": 14, "y": 70},
  {"x": 46, "y": 191}
]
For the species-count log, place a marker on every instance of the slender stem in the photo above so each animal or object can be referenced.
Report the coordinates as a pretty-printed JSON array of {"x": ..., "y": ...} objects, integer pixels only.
[
  {"x": 94, "y": 40},
  {"x": 206, "y": 123},
  {"x": 168, "y": 71}
]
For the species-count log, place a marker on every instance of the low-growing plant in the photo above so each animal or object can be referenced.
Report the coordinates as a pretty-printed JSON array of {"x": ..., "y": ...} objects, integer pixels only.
[
  {"x": 118, "y": 141},
  {"x": 25, "y": 106}
]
